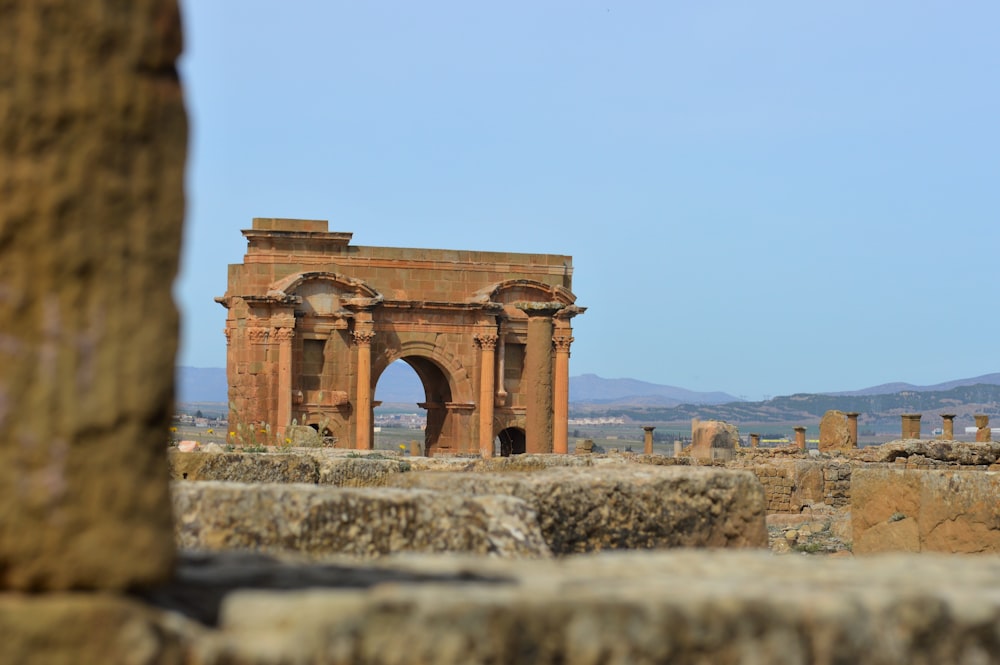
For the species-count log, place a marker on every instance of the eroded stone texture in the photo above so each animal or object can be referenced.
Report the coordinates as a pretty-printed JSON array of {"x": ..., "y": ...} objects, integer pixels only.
[
  {"x": 321, "y": 521},
  {"x": 834, "y": 432},
  {"x": 75, "y": 628},
  {"x": 925, "y": 511},
  {"x": 714, "y": 439},
  {"x": 665, "y": 607},
  {"x": 592, "y": 509},
  {"x": 92, "y": 149}
]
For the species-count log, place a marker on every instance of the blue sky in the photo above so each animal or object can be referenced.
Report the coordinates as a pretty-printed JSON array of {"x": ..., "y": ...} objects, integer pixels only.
[{"x": 760, "y": 198}]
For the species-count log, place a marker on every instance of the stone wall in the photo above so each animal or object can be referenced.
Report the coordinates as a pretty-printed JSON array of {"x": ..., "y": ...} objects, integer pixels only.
[{"x": 925, "y": 511}]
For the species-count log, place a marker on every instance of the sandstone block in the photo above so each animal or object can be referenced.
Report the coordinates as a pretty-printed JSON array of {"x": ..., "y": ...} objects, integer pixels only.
[
  {"x": 714, "y": 439},
  {"x": 244, "y": 467},
  {"x": 925, "y": 511},
  {"x": 667, "y": 607},
  {"x": 834, "y": 432},
  {"x": 954, "y": 452},
  {"x": 92, "y": 148},
  {"x": 73, "y": 628},
  {"x": 592, "y": 509},
  {"x": 318, "y": 521}
]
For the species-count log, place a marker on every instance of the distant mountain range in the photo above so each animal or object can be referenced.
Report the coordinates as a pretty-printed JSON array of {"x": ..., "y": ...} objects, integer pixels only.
[
  {"x": 644, "y": 401},
  {"x": 400, "y": 384}
]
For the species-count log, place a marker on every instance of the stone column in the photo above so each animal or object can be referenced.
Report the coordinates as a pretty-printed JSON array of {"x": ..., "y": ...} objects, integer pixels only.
[
  {"x": 678, "y": 448},
  {"x": 852, "y": 427},
  {"x": 983, "y": 432},
  {"x": 363, "y": 402},
  {"x": 538, "y": 376},
  {"x": 800, "y": 437},
  {"x": 911, "y": 425},
  {"x": 948, "y": 426},
  {"x": 560, "y": 418},
  {"x": 755, "y": 440},
  {"x": 647, "y": 447},
  {"x": 284, "y": 337},
  {"x": 93, "y": 137},
  {"x": 487, "y": 344}
]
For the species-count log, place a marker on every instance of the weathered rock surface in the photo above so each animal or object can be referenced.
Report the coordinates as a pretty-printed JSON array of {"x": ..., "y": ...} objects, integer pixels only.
[
  {"x": 956, "y": 452},
  {"x": 92, "y": 148},
  {"x": 677, "y": 607},
  {"x": 591, "y": 509},
  {"x": 75, "y": 628},
  {"x": 319, "y": 521},
  {"x": 714, "y": 439},
  {"x": 244, "y": 467},
  {"x": 834, "y": 434},
  {"x": 925, "y": 511}
]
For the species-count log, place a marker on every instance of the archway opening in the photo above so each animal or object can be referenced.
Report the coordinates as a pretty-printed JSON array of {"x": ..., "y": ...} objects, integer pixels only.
[
  {"x": 411, "y": 382},
  {"x": 512, "y": 441}
]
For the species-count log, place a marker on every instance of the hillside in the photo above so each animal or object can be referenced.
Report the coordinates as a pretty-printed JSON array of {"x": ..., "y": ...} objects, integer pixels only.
[{"x": 879, "y": 412}]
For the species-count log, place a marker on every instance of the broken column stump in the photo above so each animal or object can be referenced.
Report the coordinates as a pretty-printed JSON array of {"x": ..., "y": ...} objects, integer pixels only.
[{"x": 92, "y": 147}]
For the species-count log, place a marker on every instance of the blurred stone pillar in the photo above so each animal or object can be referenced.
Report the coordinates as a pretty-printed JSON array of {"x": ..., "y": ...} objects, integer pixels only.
[
  {"x": 948, "y": 426},
  {"x": 93, "y": 137},
  {"x": 983, "y": 432},
  {"x": 487, "y": 344},
  {"x": 800, "y": 437},
  {"x": 678, "y": 448},
  {"x": 560, "y": 418},
  {"x": 852, "y": 427},
  {"x": 911, "y": 425},
  {"x": 647, "y": 444},
  {"x": 537, "y": 379},
  {"x": 755, "y": 440}
]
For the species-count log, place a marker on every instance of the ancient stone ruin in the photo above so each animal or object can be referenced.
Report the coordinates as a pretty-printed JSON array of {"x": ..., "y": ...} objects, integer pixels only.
[
  {"x": 313, "y": 321},
  {"x": 508, "y": 558}
]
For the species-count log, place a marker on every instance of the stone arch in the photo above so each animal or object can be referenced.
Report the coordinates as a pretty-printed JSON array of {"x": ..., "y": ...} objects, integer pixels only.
[
  {"x": 514, "y": 290},
  {"x": 444, "y": 381}
]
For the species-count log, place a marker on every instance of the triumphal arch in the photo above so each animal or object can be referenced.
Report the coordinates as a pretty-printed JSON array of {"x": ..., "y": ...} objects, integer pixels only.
[{"x": 313, "y": 321}]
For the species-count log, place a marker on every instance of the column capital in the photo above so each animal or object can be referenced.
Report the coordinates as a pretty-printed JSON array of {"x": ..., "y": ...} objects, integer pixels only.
[
  {"x": 562, "y": 343},
  {"x": 363, "y": 337},
  {"x": 284, "y": 334},
  {"x": 258, "y": 335},
  {"x": 485, "y": 341}
]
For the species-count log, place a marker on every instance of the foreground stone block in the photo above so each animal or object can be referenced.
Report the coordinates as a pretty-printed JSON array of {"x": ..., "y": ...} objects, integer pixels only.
[
  {"x": 925, "y": 511},
  {"x": 92, "y": 149},
  {"x": 668, "y": 607},
  {"x": 320, "y": 521},
  {"x": 74, "y": 628},
  {"x": 591, "y": 509}
]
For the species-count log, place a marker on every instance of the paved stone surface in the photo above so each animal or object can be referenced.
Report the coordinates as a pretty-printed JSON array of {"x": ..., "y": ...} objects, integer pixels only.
[
  {"x": 925, "y": 511},
  {"x": 92, "y": 147},
  {"x": 616, "y": 507},
  {"x": 320, "y": 521}
]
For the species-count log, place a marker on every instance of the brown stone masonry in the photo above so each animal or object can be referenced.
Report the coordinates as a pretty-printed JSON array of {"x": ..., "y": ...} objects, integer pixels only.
[{"x": 313, "y": 321}]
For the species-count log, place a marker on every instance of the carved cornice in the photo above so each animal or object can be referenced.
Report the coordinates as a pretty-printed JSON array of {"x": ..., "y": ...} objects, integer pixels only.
[
  {"x": 562, "y": 343},
  {"x": 486, "y": 341},
  {"x": 363, "y": 337}
]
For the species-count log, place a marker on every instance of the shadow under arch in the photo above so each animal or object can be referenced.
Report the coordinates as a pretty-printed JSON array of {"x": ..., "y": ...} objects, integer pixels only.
[{"x": 512, "y": 441}]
